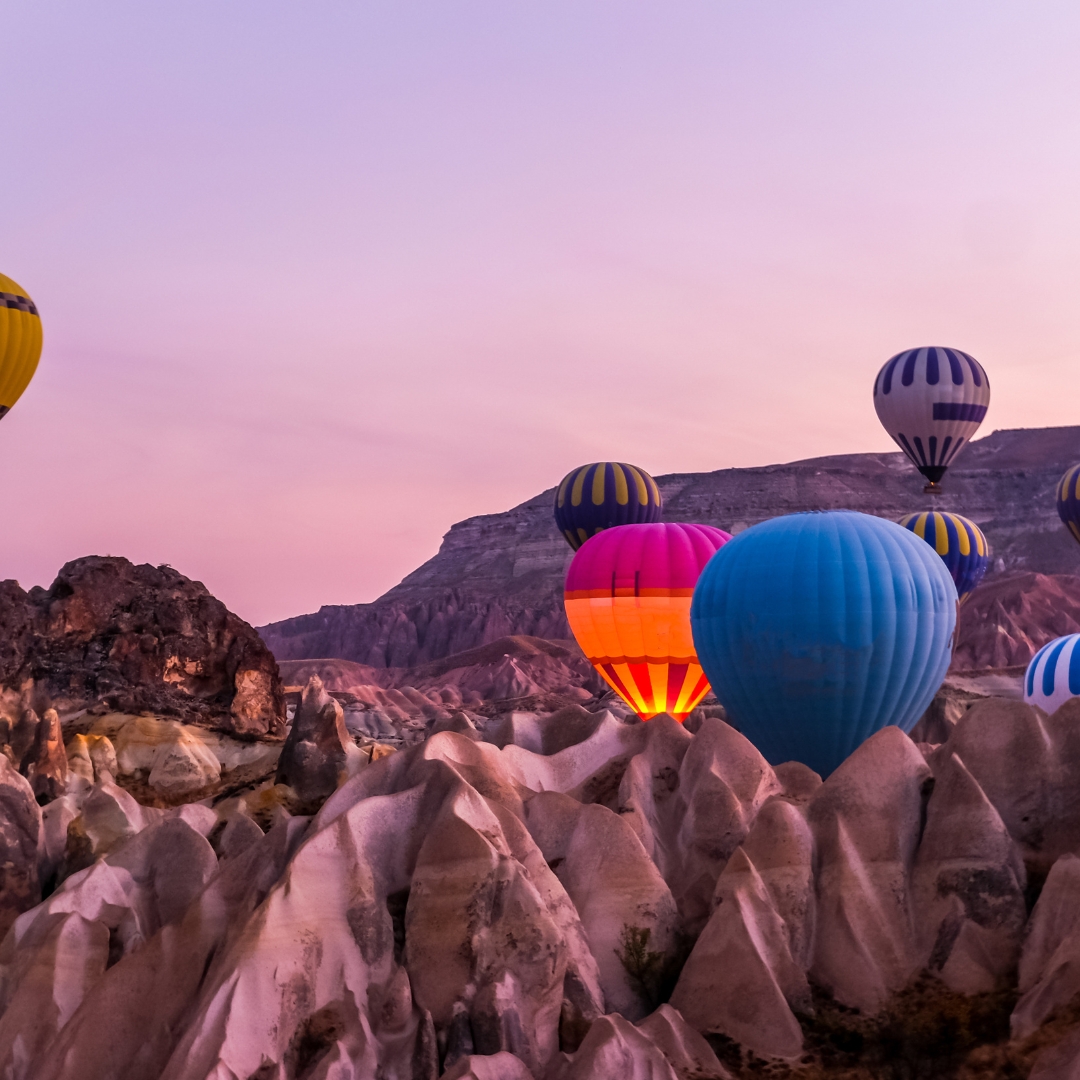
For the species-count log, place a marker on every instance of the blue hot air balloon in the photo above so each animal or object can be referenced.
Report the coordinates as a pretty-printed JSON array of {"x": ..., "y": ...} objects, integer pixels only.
[
  {"x": 817, "y": 630},
  {"x": 958, "y": 541},
  {"x": 599, "y": 496},
  {"x": 1053, "y": 676}
]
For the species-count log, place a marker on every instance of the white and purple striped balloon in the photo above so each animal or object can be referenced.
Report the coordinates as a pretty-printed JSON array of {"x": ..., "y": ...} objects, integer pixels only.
[{"x": 931, "y": 401}]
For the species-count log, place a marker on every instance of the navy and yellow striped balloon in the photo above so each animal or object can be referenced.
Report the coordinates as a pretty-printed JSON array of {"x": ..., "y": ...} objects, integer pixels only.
[
  {"x": 1068, "y": 501},
  {"x": 606, "y": 493},
  {"x": 20, "y": 342},
  {"x": 958, "y": 541}
]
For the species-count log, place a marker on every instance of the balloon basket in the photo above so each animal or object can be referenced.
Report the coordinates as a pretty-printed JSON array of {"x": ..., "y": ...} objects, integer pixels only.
[{"x": 933, "y": 489}]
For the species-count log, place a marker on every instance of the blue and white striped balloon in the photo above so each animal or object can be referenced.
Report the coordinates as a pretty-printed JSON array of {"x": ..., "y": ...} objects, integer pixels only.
[{"x": 1053, "y": 676}]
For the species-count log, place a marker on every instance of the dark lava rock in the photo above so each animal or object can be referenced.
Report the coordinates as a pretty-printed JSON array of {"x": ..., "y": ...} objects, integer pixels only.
[
  {"x": 133, "y": 638},
  {"x": 314, "y": 758},
  {"x": 45, "y": 765}
]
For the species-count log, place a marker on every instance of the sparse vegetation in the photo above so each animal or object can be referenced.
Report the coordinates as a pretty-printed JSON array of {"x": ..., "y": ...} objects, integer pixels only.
[
  {"x": 927, "y": 1032},
  {"x": 654, "y": 973}
]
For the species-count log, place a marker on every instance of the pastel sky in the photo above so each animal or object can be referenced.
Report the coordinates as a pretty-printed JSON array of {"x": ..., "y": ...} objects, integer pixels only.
[{"x": 320, "y": 279}]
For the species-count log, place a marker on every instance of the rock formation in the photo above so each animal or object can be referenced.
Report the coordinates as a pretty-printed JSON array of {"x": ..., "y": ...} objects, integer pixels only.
[
  {"x": 318, "y": 754},
  {"x": 20, "y": 833},
  {"x": 1009, "y": 618},
  {"x": 524, "y": 901},
  {"x": 115, "y": 636},
  {"x": 45, "y": 764},
  {"x": 502, "y": 574}
]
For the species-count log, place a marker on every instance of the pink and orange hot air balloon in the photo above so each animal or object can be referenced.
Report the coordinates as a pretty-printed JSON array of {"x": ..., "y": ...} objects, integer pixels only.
[{"x": 627, "y": 596}]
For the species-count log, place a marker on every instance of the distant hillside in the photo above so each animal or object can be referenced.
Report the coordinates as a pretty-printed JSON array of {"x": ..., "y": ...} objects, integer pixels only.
[{"x": 501, "y": 574}]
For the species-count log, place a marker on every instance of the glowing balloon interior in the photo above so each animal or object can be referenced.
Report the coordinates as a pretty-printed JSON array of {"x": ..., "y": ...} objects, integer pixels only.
[
  {"x": 603, "y": 495},
  {"x": 1068, "y": 501},
  {"x": 628, "y": 595},
  {"x": 1053, "y": 676},
  {"x": 931, "y": 401},
  {"x": 817, "y": 630},
  {"x": 20, "y": 342},
  {"x": 958, "y": 541}
]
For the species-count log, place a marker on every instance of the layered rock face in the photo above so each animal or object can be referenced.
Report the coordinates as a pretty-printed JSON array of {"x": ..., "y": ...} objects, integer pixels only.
[
  {"x": 1008, "y": 619},
  {"x": 502, "y": 574},
  {"x": 517, "y": 673},
  {"x": 575, "y": 898},
  {"x": 110, "y": 635}
]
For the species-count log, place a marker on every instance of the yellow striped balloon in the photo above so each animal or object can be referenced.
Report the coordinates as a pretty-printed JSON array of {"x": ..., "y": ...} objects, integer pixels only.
[
  {"x": 20, "y": 342},
  {"x": 1068, "y": 501},
  {"x": 602, "y": 495},
  {"x": 959, "y": 542}
]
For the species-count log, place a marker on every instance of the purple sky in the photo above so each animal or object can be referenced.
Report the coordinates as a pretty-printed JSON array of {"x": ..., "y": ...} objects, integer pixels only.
[{"x": 319, "y": 280}]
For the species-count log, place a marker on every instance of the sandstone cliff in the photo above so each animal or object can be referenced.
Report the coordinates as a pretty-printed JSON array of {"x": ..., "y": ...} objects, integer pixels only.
[{"x": 502, "y": 574}]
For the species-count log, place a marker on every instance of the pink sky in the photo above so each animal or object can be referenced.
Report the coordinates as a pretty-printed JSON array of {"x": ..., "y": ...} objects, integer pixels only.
[{"x": 319, "y": 280}]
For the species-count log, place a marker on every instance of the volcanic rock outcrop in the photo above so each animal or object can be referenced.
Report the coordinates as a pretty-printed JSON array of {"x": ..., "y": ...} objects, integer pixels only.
[
  {"x": 502, "y": 574},
  {"x": 110, "y": 635}
]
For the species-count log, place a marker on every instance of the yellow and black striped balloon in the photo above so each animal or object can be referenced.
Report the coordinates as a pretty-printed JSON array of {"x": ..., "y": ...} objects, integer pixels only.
[
  {"x": 20, "y": 342},
  {"x": 959, "y": 542},
  {"x": 1068, "y": 501},
  {"x": 606, "y": 493}
]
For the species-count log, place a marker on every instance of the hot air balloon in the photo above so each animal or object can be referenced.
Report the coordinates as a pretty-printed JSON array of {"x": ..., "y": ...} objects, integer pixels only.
[
  {"x": 1053, "y": 676},
  {"x": 931, "y": 401},
  {"x": 628, "y": 594},
  {"x": 20, "y": 342},
  {"x": 816, "y": 630},
  {"x": 1068, "y": 501},
  {"x": 602, "y": 495},
  {"x": 959, "y": 542}
]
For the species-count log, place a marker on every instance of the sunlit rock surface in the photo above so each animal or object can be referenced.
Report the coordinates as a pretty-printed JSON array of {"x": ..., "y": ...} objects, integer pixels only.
[{"x": 611, "y": 899}]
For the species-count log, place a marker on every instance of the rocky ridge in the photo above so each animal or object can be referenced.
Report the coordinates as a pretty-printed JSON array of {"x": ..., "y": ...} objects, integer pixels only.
[
  {"x": 1009, "y": 618},
  {"x": 500, "y": 575}
]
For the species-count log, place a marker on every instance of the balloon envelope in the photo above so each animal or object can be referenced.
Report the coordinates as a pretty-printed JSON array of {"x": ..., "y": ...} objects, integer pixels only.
[
  {"x": 958, "y": 541},
  {"x": 628, "y": 593},
  {"x": 1053, "y": 676},
  {"x": 816, "y": 630},
  {"x": 20, "y": 342},
  {"x": 1068, "y": 501},
  {"x": 603, "y": 495},
  {"x": 931, "y": 401}
]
